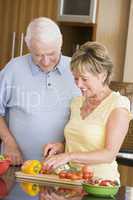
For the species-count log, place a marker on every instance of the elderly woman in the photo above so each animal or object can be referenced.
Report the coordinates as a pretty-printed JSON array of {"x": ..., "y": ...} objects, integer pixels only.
[{"x": 99, "y": 119}]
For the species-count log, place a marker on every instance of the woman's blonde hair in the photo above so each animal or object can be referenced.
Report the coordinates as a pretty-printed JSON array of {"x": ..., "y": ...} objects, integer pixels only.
[{"x": 92, "y": 57}]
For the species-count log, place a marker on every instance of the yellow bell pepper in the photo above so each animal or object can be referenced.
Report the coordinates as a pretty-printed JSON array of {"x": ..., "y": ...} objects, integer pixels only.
[
  {"x": 31, "y": 167},
  {"x": 31, "y": 189}
]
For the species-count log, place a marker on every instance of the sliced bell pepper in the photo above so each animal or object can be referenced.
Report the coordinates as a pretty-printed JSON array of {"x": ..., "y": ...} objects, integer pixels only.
[{"x": 31, "y": 167}]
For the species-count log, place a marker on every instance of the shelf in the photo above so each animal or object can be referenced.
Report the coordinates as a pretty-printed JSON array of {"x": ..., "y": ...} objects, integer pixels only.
[{"x": 74, "y": 35}]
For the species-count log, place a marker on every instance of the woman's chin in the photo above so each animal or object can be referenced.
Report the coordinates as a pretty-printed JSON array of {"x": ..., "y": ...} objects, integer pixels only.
[{"x": 83, "y": 92}]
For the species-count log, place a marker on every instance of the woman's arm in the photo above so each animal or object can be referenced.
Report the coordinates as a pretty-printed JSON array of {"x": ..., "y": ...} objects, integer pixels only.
[{"x": 116, "y": 130}]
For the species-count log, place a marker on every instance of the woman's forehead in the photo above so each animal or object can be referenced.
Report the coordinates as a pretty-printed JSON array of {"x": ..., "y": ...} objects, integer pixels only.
[{"x": 81, "y": 73}]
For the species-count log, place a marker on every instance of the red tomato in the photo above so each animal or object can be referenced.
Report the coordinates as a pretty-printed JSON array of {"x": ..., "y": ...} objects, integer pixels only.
[
  {"x": 63, "y": 174},
  {"x": 80, "y": 174},
  {"x": 75, "y": 176},
  {"x": 69, "y": 175},
  {"x": 86, "y": 169},
  {"x": 106, "y": 183},
  {"x": 88, "y": 175},
  {"x": 3, "y": 188}
]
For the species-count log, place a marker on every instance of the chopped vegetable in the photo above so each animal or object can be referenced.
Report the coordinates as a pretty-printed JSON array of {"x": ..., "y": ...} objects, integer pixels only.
[
  {"x": 31, "y": 167},
  {"x": 65, "y": 167},
  {"x": 102, "y": 182},
  {"x": 2, "y": 157}
]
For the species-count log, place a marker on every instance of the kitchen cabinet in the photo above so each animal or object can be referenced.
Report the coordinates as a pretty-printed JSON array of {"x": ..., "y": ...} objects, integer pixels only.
[
  {"x": 126, "y": 175},
  {"x": 15, "y": 15},
  {"x": 110, "y": 29}
]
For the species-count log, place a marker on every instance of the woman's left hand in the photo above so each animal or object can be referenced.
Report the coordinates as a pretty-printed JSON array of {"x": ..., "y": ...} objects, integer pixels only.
[{"x": 55, "y": 161}]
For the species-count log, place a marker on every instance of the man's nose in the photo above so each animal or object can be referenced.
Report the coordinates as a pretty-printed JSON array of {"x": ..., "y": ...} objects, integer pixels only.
[{"x": 45, "y": 60}]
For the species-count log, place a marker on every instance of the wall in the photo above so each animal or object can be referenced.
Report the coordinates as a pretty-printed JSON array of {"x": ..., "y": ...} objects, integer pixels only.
[
  {"x": 15, "y": 15},
  {"x": 111, "y": 27},
  {"x": 128, "y": 68},
  {"x": 112, "y": 31}
]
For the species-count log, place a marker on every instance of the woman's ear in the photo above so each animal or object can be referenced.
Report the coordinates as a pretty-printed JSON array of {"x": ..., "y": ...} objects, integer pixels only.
[{"x": 103, "y": 76}]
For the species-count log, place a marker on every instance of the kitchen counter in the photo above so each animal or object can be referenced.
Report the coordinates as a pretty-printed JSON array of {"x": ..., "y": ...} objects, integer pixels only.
[
  {"x": 15, "y": 190},
  {"x": 125, "y": 158}
]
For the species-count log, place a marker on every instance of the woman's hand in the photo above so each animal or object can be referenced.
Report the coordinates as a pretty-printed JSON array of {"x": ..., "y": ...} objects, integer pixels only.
[
  {"x": 52, "y": 149},
  {"x": 55, "y": 161}
]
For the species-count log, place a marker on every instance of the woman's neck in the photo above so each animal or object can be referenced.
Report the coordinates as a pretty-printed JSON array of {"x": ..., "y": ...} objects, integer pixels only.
[{"x": 97, "y": 98}]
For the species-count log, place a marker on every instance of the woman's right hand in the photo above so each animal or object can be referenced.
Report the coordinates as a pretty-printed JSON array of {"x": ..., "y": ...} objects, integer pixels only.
[{"x": 53, "y": 148}]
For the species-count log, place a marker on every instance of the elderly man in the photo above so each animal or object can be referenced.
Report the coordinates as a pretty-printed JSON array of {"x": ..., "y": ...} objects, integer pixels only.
[{"x": 35, "y": 93}]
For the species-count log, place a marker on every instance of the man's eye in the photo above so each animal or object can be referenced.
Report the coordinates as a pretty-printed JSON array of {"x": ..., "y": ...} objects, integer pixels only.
[
  {"x": 51, "y": 54},
  {"x": 37, "y": 55}
]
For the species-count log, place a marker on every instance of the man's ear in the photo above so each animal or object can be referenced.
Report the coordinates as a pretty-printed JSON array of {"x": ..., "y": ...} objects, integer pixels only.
[{"x": 61, "y": 40}]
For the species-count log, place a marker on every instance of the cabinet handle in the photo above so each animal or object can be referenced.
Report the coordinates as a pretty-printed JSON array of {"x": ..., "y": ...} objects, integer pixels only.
[
  {"x": 21, "y": 44},
  {"x": 13, "y": 44}
]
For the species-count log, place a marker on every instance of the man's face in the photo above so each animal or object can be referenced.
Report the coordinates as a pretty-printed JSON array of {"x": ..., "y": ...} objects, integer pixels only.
[{"x": 45, "y": 55}]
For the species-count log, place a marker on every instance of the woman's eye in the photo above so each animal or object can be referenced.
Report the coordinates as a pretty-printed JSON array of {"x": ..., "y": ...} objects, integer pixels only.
[{"x": 84, "y": 79}]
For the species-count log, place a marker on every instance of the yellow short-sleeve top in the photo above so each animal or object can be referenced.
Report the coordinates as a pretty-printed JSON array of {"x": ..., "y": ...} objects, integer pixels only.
[{"x": 85, "y": 135}]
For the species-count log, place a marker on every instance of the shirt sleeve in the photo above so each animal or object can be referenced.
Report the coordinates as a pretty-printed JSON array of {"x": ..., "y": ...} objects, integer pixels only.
[
  {"x": 5, "y": 90},
  {"x": 124, "y": 102}
]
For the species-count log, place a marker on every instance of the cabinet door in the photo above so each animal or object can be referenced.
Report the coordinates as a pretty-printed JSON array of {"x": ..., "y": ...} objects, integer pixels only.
[
  {"x": 32, "y": 9},
  {"x": 15, "y": 15},
  {"x": 9, "y": 11}
]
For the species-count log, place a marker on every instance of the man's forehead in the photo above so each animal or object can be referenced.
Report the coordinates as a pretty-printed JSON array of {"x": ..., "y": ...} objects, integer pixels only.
[{"x": 49, "y": 47}]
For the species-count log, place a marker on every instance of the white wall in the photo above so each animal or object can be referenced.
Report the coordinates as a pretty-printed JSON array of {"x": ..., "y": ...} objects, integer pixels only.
[
  {"x": 128, "y": 67},
  {"x": 112, "y": 25}
]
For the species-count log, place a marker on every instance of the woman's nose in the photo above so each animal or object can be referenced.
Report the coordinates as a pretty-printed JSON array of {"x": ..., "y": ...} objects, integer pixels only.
[{"x": 79, "y": 83}]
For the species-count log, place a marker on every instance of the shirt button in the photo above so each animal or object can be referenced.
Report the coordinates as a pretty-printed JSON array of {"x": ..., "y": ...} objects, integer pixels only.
[{"x": 49, "y": 84}]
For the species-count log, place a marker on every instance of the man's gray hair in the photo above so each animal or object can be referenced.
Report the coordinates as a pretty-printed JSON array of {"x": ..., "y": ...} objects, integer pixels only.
[{"x": 43, "y": 29}]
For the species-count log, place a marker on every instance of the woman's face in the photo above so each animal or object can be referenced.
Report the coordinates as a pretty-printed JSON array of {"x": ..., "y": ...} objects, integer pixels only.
[{"x": 89, "y": 84}]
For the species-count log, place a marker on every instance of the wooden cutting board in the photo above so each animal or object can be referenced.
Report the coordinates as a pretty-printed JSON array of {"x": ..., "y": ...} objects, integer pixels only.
[{"x": 46, "y": 178}]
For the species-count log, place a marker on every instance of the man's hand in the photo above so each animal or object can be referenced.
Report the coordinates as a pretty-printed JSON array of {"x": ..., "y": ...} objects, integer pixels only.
[
  {"x": 11, "y": 149},
  {"x": 13, "y": 152},
  {"x": 52, "y": 149}
]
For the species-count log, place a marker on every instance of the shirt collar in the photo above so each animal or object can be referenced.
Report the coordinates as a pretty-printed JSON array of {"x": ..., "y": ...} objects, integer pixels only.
[
  {"x": 36, "y": 70},
  {"x": 60, "y": 66}
]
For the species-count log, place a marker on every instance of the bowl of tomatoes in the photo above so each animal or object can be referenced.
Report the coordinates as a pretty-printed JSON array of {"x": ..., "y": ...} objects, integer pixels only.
[
  {"x": 4, "y": 164},
  {"x": 101, "y": 187},
  {"x": 3, "y": 188}
]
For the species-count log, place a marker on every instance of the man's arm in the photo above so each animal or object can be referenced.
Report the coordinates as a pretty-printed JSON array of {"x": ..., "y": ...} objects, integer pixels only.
[{"x": 11, "y": 149}]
